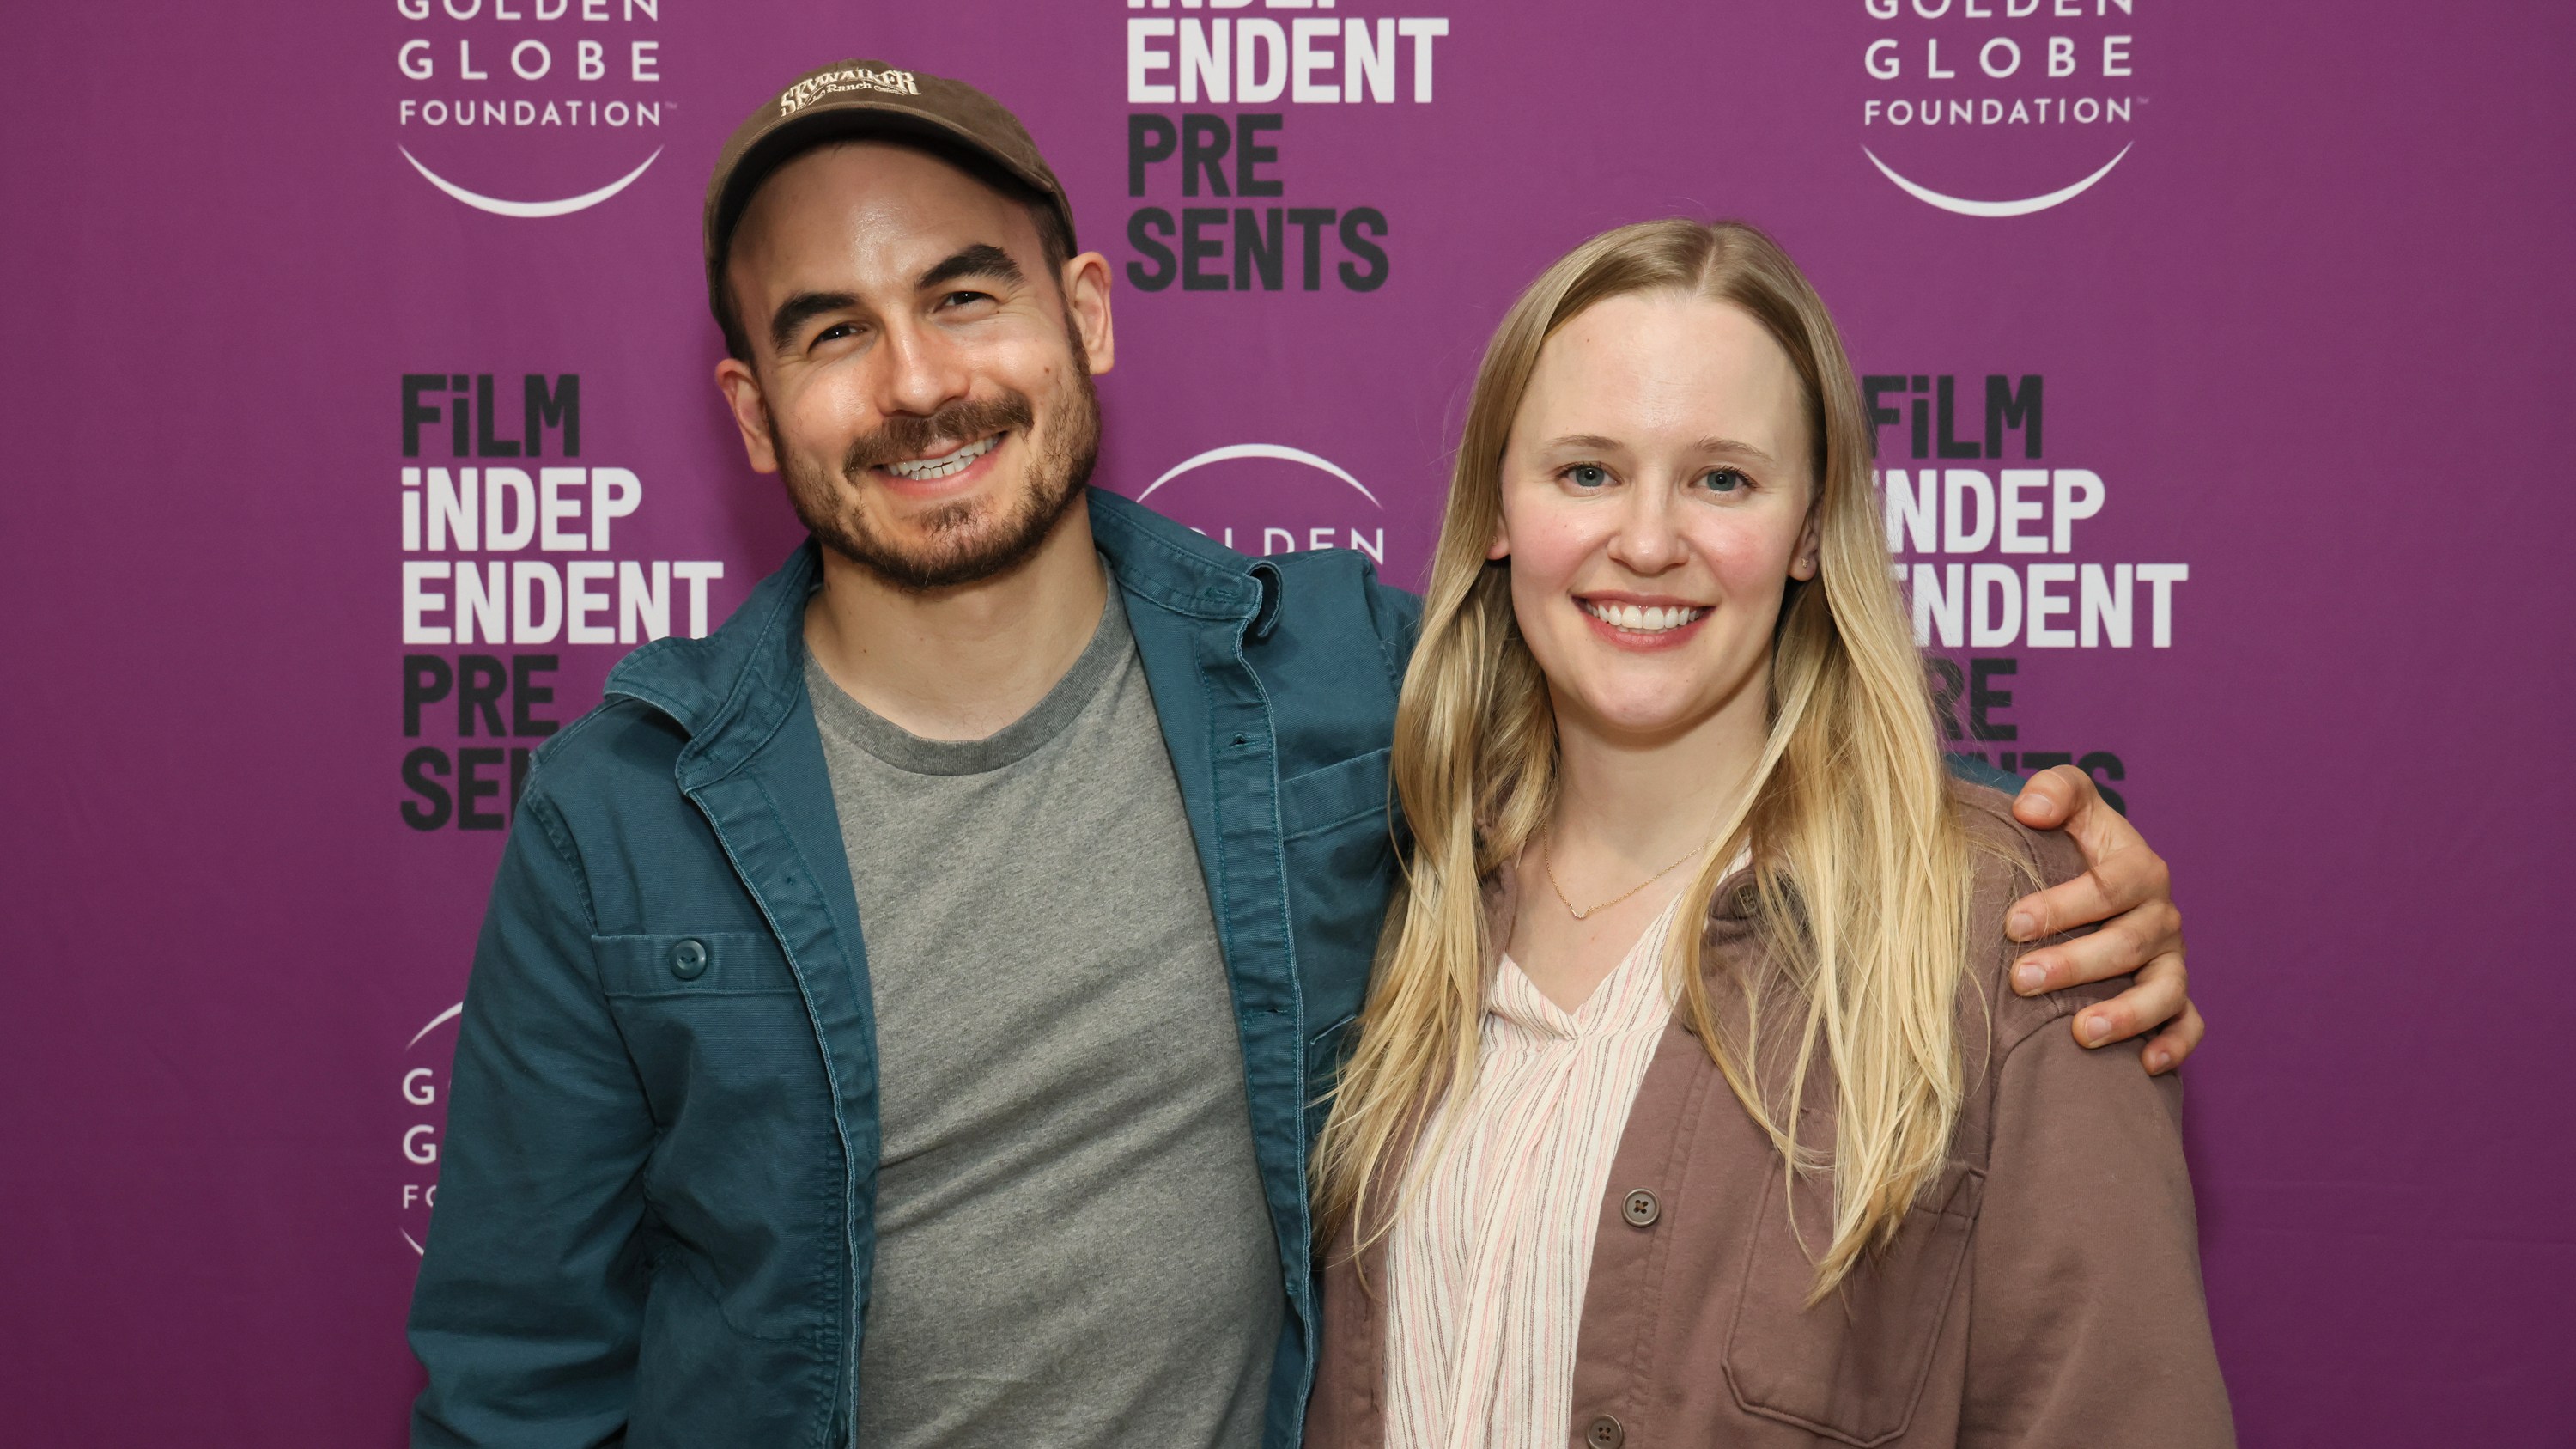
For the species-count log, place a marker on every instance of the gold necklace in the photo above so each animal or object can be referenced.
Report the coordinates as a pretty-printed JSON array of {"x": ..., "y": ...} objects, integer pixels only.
[{"x": 1547, "y": 863}]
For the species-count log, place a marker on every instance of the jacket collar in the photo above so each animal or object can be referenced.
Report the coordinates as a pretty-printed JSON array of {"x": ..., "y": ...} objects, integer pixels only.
[
  {"x": 1180, "y": 569},
  {"x": 730, "y": 691}
]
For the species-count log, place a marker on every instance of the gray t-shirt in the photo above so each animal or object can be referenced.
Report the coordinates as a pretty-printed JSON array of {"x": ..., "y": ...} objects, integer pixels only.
[{"x": 1072, "y": 1244}]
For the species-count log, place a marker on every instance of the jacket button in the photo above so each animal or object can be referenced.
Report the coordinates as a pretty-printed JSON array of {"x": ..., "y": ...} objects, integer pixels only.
[
  {"x": 689, "y": 960},
  {"x": 1604, "y": 1432},
  {"x": 1640, "y": 1209}
]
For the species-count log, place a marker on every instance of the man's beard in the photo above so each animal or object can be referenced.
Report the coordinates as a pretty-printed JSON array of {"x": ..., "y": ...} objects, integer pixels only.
[{"x": 970, "y": 539}]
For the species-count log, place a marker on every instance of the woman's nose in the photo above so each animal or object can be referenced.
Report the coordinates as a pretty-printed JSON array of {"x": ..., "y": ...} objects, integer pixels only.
[{"x": 1648, "y": 540}]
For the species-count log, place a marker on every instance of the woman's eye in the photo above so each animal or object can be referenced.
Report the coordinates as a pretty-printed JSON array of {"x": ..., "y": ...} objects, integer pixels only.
[
  {"x": 1725, "y": 480},
  {"x": 1587, "y": 475}
]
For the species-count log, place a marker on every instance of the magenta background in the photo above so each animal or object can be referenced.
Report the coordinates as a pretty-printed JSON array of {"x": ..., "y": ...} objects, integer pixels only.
[{"x": 2313, "y": 331}]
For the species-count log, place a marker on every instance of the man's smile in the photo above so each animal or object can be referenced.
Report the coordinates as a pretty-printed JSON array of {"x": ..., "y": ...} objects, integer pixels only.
[{"x": 933, "y": 467}]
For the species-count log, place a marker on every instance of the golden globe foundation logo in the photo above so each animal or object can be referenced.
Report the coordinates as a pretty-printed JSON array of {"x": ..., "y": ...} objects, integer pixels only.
[
  {"x": 426, "y": 1059},
  {"x": 1271, "y": 498},
  {"x": 1996, "y": 108},
  {"x": 528, "y": 108}
]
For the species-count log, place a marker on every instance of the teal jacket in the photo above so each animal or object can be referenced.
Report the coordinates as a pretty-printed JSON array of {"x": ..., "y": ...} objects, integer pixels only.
[{"x": 655, "y": 1214}]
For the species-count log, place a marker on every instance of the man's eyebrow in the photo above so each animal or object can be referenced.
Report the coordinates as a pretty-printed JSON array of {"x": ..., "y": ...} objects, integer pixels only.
[
  {"x": 804, "y": 307},
  {"x": 980, "y": 260}
]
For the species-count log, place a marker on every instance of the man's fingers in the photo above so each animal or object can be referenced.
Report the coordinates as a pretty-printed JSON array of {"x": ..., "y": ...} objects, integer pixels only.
[
  {"x": 2063, "y": 796},
  {"x": 2156, "y": 997},
  {"x": 2119, "y": 882},
  {"x": 2050, "y": 796},
  {"x": 2126, "y": 887},
  {"x": 2128, "y": 943},
  {"x": 2180, "y": 1038}
]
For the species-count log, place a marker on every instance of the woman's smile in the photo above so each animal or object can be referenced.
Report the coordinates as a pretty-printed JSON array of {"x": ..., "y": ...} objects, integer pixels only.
[{"x": 1642, "y": 623}]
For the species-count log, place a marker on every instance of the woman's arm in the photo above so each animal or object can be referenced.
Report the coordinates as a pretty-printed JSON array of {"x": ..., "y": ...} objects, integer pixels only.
[{"x": 2087, "y": 1321}]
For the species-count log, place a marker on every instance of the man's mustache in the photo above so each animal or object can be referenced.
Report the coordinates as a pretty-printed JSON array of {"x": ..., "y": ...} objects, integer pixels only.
[{"x": 964, "y": 421}]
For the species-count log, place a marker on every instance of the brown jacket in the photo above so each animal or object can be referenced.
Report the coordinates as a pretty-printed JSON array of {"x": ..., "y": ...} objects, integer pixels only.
[{"x": 2045, "y": 1292}]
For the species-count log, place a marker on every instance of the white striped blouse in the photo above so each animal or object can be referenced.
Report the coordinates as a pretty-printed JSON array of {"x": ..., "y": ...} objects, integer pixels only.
[{"x": 1487, "y": 1263}]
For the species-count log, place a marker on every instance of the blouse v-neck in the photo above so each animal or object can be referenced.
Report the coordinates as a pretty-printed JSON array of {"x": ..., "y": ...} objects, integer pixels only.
[{"x": 1489, "y": 1262}]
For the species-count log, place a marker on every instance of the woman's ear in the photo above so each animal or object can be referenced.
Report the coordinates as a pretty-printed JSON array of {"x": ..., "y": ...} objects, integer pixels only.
[
  {"x": 1500, "y": 545},
  {"x": 1803, "y": 563}
]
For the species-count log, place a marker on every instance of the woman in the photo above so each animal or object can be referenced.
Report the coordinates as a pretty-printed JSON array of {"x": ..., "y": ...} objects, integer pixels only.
[{"x": 1689, "y": 1105}]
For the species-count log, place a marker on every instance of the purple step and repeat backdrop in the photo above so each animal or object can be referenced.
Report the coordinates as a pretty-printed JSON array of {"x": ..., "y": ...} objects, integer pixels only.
[{"x": 359, "y": 418}]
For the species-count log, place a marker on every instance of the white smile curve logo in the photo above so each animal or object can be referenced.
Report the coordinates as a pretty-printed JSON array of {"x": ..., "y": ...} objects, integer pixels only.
[
  {"x": 498, "y": 207},
  {"x": 1965, "y": 207},
  {"x": 435, "y": 1022},
  {"x": 1258, "y": 450}
]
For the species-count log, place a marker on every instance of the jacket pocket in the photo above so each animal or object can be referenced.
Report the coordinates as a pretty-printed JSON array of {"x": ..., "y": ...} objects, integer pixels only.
[
  {"x": 703, "y": 963},
  {"x": 700, "y": 1381},
  {"x": 1341, "y": 862},
  {"x": 745, "y": 1174},
  {"x": 1336, "y": 795},
  {"x": 1852, "y": 1367}
]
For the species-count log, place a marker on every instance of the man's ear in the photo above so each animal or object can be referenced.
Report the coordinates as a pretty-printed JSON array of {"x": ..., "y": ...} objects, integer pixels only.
[
  {"x": 1086, "y": 301},
  {"x": 741, "y": 388}
]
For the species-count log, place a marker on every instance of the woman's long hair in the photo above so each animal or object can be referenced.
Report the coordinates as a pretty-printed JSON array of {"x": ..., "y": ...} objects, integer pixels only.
[{"x": 1860, "y": 871}]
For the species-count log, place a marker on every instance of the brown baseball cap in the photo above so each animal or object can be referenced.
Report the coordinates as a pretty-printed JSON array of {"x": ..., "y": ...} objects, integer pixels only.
[{"x": 862, "y": 98}]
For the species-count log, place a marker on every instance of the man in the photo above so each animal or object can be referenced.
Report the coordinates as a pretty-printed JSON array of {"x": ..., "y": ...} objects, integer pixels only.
[{"x": 901, "y": 1014}]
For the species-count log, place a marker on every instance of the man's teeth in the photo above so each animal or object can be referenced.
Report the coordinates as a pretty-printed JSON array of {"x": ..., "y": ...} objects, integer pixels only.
[
  {"x": 923, "y": 470},
  {"x": 1644, "y": 620}
]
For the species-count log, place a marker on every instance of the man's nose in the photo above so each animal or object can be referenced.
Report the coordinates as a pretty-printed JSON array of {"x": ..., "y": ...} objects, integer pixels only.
[{"x": 924, "y": 371}]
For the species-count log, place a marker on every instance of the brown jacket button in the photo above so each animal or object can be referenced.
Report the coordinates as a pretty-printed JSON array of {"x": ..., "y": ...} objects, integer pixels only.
[
  {"x": 1604, "y": 1432},
  {"x": 1640, "y": 1209}
]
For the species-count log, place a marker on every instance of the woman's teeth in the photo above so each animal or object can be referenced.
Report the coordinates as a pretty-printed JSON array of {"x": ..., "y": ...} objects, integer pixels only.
[
  {"x": 923, "y": 470},
  {"x": 1643, "y": 620}
]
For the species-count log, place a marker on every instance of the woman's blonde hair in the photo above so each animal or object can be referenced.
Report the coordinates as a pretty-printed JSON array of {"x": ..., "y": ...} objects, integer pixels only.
[{"x": 1860, "y": 878}]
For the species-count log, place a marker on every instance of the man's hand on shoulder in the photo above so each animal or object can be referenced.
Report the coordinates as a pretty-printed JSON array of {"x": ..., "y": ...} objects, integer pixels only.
[{"x": 2127, "y": 890}]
